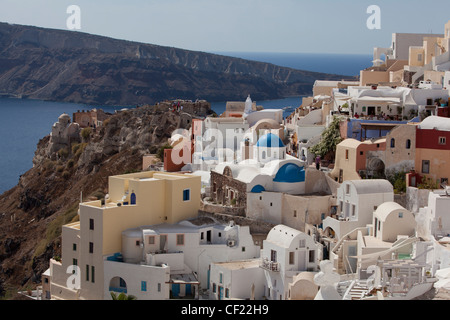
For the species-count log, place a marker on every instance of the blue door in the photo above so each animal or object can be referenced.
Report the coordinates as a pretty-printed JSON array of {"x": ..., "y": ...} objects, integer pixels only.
[
  {"x": 133, "y": 198},
  {"x": 220, "y": 293},
  {"x": 175, "y": 290},
  {"x": 188, "y": 289}
]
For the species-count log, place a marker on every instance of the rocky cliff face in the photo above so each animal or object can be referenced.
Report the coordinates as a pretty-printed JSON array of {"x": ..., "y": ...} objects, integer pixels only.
[
  {"x": 47, "y": 196},
  {"x": 76, "y": 67}
]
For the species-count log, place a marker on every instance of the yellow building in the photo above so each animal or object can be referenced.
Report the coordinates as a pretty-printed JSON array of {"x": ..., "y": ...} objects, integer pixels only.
[{"x": 137, "y": 199}]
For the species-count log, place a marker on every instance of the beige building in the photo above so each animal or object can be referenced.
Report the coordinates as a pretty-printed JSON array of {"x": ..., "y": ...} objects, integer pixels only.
[
  {"x": 383, "y": 74},
  {"x": 401, "y": 148},
  {"x": 354, "y": 157},
  {"x": 145, "y": 198}
]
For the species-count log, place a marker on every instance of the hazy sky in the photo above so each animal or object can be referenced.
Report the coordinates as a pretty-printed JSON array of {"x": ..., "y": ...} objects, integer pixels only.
[{"x": 324, "y": 26}]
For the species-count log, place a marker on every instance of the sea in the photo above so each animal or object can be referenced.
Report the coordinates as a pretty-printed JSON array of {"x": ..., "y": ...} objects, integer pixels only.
[{"x": 24, "y": 122}]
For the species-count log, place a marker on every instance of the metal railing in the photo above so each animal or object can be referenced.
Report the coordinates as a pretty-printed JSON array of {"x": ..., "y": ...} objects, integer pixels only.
[{"x": 270, "y": 265}]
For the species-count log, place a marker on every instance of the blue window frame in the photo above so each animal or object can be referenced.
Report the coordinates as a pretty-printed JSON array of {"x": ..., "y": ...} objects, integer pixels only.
[
  {"x": 186, "y": 194},
  {"x": 133, "y": 199},
  {"x": 143, "y": 285}
]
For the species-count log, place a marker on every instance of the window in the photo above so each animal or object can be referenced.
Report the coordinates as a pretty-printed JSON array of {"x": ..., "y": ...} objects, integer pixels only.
[
  {"x": 311, "y": 255},
  {"x": 92, "y": 274},
  {"x": 91, "y": 247},
  {"x": 227, "y": 293},
  {"x": 214, "y": 288},
  {"x": 186, "y": 194},
  {"x": 202, "y": 236},
  {"x": 425, "y": 166},
  {"x": 74, "y": 264},
  {"x": 74, "y": 247},
  {"x": 392, "y": 143},
  {"x": 291, "y": 257},
  {"x": 408, "y": 144},
  {"x": 138, "y": 243},
  {"x": 243, "y": 249},
  {"x": 400, "y": 214},
  {"x": 346, "y": 154},
  {"x": 151, "y": 240},
  {"x": 353, "y": 210},
  {"x": 295, "y": 213},
  {"x": 87, "y": 272},
  {"x": 273, "y": 255},
  {"x": 301, "y": 243},
  {"x": 361, "y": 153},
  {"x": 220, "y": 234},
  {"x": 159, "y": 287},
  {"x": 347, "y": 189},
  {"x": 442, "y": 140},
  {"x": 221, "y": 277},
  {"x": 419, "y": 57},
  {"x": 143, "y": 285},
  {"x": 180, "y": 239},
  {"x": 91, "y": 224}
]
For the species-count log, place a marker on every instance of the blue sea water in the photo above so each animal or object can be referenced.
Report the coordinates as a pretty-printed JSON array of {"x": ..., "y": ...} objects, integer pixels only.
[
  {"x": 335, "y": 63},
  {"x": 25, "y": 122}
]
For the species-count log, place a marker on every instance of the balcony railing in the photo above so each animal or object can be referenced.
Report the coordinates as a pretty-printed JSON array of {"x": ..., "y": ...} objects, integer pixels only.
[{"x": 270, "y": 265}]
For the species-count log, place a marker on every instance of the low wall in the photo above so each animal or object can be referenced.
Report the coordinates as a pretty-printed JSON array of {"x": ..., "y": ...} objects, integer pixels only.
[
  {"x": 256, "y": 227},
  {"x": 220, "y": 209}
]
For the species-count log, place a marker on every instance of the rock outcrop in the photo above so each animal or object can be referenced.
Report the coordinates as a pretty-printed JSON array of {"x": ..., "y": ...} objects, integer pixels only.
[{"x": 47, "y": 196}]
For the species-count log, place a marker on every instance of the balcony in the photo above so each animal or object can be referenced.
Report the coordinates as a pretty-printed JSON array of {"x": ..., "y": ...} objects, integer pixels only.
[{"x": 270, "y": 265}]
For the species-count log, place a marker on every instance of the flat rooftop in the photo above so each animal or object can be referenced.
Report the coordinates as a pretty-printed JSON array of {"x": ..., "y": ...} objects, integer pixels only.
[{"x": 240, "y": 264}]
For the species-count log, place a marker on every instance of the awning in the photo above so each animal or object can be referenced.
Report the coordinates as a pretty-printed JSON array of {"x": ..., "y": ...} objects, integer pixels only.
[{"x": 378, "y": 99}]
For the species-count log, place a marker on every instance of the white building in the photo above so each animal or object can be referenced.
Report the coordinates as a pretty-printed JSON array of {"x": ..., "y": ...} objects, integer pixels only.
[
  {"x": 173, "y": 260},
  {"x": 357, "y": 200},
  {"x": 243, "y": 279},
  {"x": 435, "y": 218},
  {"x": 286, "y": 253}
]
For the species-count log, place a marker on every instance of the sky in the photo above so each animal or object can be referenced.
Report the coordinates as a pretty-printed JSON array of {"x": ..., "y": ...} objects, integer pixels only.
[{"x": 294, "y": 26}]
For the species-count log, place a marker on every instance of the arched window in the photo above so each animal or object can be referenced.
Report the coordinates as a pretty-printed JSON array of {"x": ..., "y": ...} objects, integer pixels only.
[
  {"x": 392, "y": 143},
  {"x": 408, "y": 144},
  {"x": 133, "y": 198}
]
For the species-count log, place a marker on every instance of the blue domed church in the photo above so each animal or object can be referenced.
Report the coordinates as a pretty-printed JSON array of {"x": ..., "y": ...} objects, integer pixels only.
[{"x": 270, "y": 170}]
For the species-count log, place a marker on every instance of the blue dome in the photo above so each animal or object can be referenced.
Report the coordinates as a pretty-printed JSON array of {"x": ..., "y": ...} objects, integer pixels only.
[
  {"x": 270, "y": 140},
  {"x": 258, "y": 189},
  {"x": 290, "y": 173}
]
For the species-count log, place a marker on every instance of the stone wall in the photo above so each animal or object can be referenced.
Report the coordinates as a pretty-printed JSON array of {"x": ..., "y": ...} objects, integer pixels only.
[
  {"x": 220, "y": 209},
  {"x": 219, "y": 185}
]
